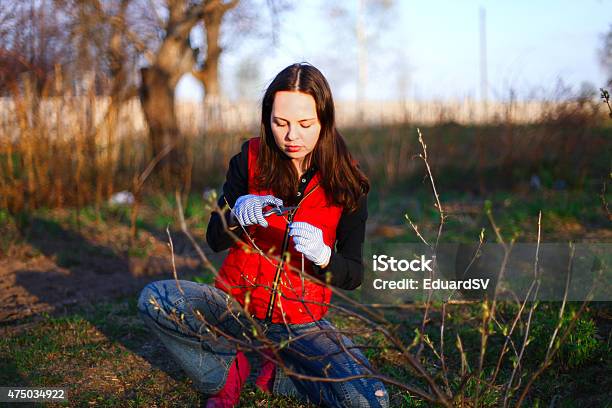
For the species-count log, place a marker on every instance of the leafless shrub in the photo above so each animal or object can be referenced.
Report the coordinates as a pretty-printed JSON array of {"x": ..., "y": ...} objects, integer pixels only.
[{"x": 444, "y": 385}]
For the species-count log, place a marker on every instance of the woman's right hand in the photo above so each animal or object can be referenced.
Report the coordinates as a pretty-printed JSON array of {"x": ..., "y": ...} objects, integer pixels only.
[{"x": 248, "y": 209}]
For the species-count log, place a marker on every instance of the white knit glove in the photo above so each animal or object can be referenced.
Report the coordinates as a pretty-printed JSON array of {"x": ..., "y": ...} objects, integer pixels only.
[
  {"x": 308, "y": 240},
  {"x": 248, "y": 209}
]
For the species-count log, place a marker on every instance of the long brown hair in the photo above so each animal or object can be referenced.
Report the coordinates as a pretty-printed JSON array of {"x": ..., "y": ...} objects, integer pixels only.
[{"x": 342, "y": 180}]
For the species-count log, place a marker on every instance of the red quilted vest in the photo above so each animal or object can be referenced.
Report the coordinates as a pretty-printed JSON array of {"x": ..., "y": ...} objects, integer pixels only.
[{"x": 249, "y": 276}]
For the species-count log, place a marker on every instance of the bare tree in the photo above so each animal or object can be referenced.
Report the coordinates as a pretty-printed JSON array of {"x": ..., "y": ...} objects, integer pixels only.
[
  {"x": 176, "y": 56},
  {"x": 33, "y": 43},
  {"x": 173, "y": 59},
  {"x": 226, "y": 31},
  {"x": 120, "y": 49},
  {"x": 76, "y": 36},
  {"x": 209, "y": 73}
]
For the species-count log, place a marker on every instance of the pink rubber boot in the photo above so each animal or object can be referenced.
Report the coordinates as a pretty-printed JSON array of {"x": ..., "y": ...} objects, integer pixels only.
[
  {"x": 229, "y": 395},
  {"x": 265, "y": 380}
]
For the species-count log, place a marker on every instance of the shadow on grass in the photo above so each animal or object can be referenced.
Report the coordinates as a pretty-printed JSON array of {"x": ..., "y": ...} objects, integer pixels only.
[
  {"x": 88, "y": 271},
  {"x": 101, "y": 353},
  {"x": 9, "y": 374},
  {"x": 86, "y": 274}
]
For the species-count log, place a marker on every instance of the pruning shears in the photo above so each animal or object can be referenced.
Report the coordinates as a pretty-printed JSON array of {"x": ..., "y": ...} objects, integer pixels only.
[{"x": 280, "y": 210}]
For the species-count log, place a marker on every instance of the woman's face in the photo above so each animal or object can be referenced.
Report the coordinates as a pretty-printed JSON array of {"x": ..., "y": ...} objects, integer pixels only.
[{"x": 295, "y": 125}]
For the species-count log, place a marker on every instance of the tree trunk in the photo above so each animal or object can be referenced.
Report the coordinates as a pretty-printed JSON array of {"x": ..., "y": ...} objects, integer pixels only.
[
  {"x": 209, "y": 74},
  {"x": 157, "y": 100},
  {"x": 174, "y": 58}
]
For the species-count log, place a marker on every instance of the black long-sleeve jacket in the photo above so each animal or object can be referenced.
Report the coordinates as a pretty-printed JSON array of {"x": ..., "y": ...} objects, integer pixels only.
[{"x": 346, "y": 261}]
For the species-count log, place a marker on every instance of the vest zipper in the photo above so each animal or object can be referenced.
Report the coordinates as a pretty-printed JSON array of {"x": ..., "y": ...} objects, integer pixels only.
[
  {"x": 279, "y": 268},
  {"x": 281, "y": 264}
]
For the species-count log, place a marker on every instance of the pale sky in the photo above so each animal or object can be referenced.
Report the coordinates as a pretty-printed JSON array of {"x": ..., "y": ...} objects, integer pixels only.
[{"x": 430, "y": 50}]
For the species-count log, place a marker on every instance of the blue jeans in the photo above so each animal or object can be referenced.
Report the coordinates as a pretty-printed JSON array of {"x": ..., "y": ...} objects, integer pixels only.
[{"x": 316, "y": 349}]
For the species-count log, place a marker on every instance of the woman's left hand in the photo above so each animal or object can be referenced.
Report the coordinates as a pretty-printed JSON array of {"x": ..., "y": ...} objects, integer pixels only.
[{"x": 308, "y": 240}]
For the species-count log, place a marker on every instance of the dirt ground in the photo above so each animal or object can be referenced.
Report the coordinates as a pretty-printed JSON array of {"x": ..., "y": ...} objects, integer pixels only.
[
  {"x": 35, "y": 285},
  {"x": 52, "y": 271}
]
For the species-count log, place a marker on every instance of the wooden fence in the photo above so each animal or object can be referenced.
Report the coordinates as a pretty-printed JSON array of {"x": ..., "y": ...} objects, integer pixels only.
[{"x": 195, "y": 118}]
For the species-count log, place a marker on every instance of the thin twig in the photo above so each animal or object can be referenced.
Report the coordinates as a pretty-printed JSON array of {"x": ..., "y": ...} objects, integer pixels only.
[{"x": 536, "y": 280}]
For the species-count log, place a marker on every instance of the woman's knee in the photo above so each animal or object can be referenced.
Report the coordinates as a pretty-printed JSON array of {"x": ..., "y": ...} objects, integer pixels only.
[
  {"x": 148, "y": 297},
  {"x": 164, "y": 294},
  {"x": 195, "y": 303},
  {"x": 159, "y": 295}
]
